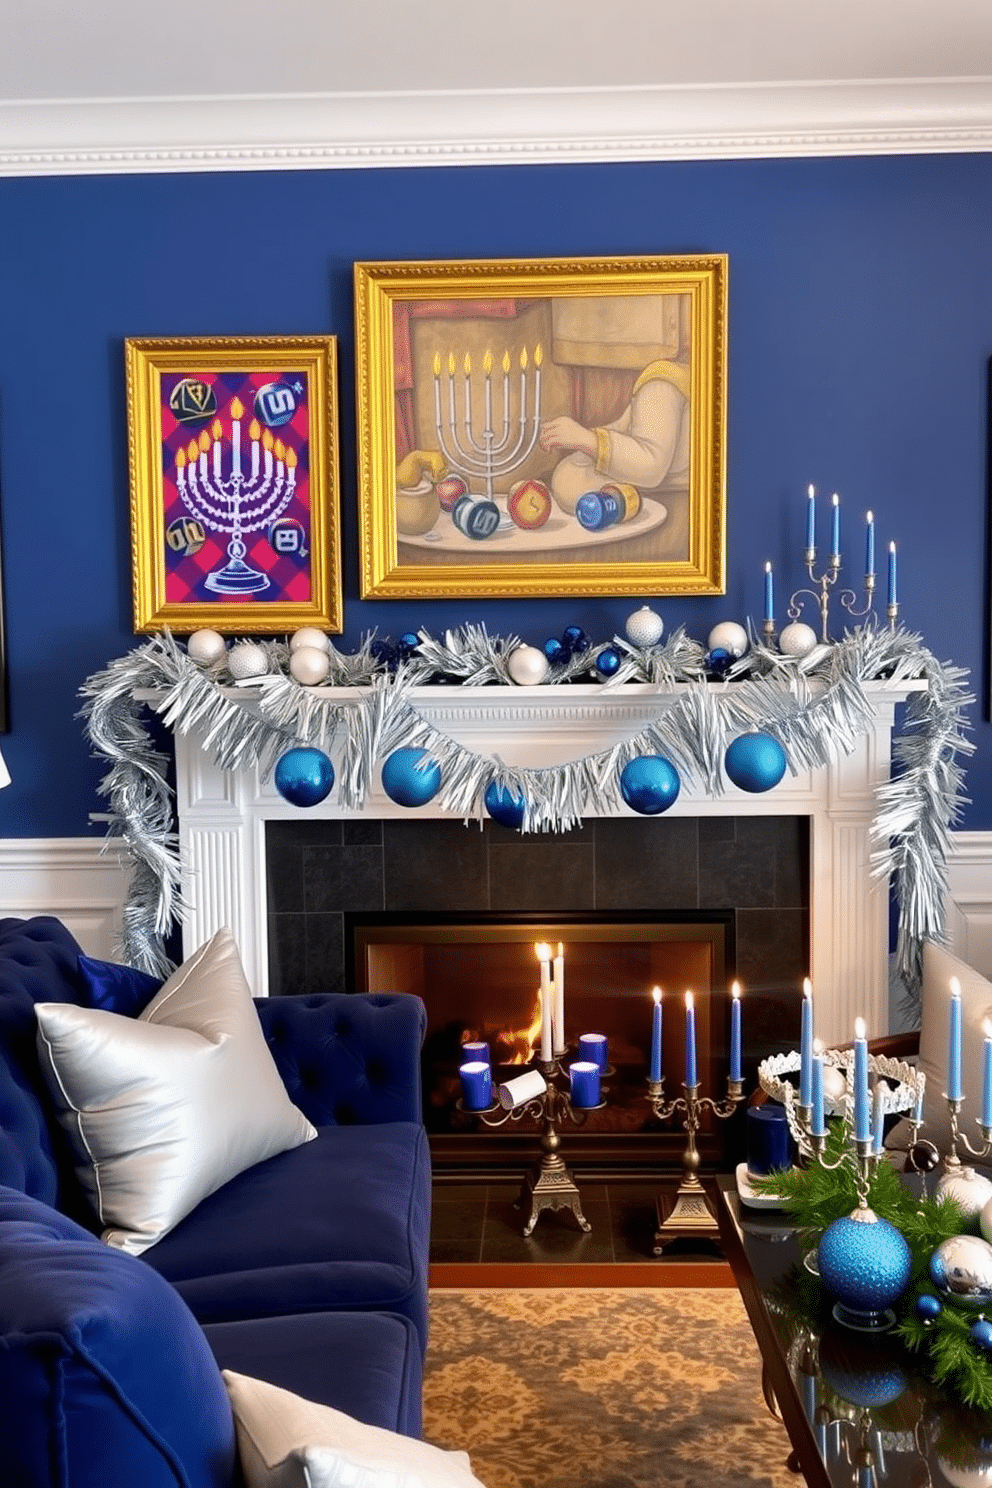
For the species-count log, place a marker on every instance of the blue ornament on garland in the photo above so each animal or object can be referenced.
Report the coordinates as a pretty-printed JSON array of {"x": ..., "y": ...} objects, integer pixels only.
[
  {"x": 303, "y": 777},
  {"x": 649, "y": 784},
  {"x": 407, "y": 781},
  {"x": 718, "y": 663},
  {"x": 575, "y": 640},
  {"x": 504, "y": 807},
  {"x": 385, "y": 653},
  {"x": 981, "y": 1333},
  {"x": 928, "y": 1307},
  {"x": 755, "y": 762},
  {"x": 554, "y": 650},
  {"x": 866, "y": 1265},
  {"x": 407, "y": 645},
  {"x": 607, "y": 662}
]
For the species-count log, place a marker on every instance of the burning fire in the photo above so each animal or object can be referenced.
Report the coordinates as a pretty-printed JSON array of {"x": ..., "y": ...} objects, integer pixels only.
[{"x": 513, "y": 1045}]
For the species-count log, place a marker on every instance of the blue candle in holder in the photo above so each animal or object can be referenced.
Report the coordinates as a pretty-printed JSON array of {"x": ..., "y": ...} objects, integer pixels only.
[
  {"x": 476, "y": 1053},
  {"x": 768, "y": 1149},
  {"x": 584, "y": 1076},
  {"x": 477, "y": 1086},
  {"x": 594, "y": 1048}
]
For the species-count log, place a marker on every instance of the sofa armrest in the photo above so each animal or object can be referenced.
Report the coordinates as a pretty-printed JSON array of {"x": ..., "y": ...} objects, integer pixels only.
[{"x": 348, "y": 1058}]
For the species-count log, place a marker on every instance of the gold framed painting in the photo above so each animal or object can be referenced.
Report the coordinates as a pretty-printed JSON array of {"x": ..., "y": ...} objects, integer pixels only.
[
  {"x": 234, "y": 483},
  {"x": 539, "y": 427}
]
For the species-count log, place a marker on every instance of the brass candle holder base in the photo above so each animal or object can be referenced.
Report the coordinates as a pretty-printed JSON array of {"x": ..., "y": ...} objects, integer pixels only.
[{"x": 550, "y": 1185}]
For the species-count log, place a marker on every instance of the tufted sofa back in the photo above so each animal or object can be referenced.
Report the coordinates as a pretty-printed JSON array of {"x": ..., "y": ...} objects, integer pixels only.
[{"x": 39, "y": 962}]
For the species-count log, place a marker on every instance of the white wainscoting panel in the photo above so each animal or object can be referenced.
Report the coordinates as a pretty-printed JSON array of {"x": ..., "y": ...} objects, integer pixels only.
[
  {"x": 74, "y": 879},
  {"x": 969, "y": 899}
]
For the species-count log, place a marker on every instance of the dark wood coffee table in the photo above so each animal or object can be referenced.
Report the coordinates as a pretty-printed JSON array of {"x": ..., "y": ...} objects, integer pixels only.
[{"x": 857, "y": 1409}]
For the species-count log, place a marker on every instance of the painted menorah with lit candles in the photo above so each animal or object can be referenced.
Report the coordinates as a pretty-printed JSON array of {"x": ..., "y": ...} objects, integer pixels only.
[
  {"x": 490, "y": 453},
  {"x": 692, "y": 1215},
  {"x": 232, "y": 501}
]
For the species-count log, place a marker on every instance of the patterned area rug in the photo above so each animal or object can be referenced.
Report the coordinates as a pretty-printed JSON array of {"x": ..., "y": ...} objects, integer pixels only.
[{"x": 629, "y": 1388}]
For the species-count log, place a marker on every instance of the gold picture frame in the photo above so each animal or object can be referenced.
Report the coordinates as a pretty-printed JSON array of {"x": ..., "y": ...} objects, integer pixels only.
[
  {"x": 233, "y": 459},
  {"x": 495, "y": 397}
]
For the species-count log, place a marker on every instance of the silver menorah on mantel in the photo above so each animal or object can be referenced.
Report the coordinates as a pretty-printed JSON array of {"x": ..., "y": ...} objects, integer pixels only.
[
  {"x": 487, "y": 454},
  {"x": 231, "y": 501}
]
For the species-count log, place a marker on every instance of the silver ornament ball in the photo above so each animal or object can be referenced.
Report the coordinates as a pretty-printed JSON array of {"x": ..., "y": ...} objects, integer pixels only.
[
  {"x": 527, "y": 666},
  {"x": 309, "y": 665},
  {"x": 797, "y": 639},
  {"x": 247, "y": 659},
  {"x": 644, "y": 627},
  {"x": 728, "y": 636},
  {"x": 206, "y": 646},
  {"x": 308, "y": 635},
  {"x": 961, "y": 1270}
]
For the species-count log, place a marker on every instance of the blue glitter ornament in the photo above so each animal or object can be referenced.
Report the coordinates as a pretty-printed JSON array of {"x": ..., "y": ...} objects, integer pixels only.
[
  {"x": 649, "y": 784},
  {"x": 865, "y": 1372},
  {"x": 718, "y": 663},
  {"x": 928, "y": 1307},
  {"x": 607, "y": 662},
  {"x": 981, "y": 1332},
  {"x": 755, "y": 762},
  {"x": 405, "y": 782},
  {"x": 575, "y": 639},
  {"x": 303, "y": 777},
  {"x": 504, "y": 807},
  {"x": 407, "y": 644},
  {"x": 866, "y": 1264},
  {"x": 554, "y": 650}
]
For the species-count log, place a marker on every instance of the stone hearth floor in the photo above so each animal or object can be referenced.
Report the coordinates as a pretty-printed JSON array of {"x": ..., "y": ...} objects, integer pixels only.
[{"x": 477, "y": 1240}]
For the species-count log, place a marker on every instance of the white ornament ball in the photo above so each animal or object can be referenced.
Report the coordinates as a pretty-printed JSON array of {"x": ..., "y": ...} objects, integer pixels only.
[
  {"x": 527, "y": 666},
  {"x": 797, "y": 639},
  {"x": 309, "y": 665},
  {"x": 308, "y": 635},
  {"x": 247, "y": 659},
  {"x": 206, "y": 646},
  {"x": 644, "y": 627},
  {"x": 834, "y": 1089},
  {"x": 728, "y": 636},
  {"x": 971, "y": 1190}
]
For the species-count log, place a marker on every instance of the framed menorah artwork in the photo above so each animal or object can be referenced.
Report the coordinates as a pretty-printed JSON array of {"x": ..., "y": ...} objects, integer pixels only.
[
  {"x": 234, "y": 483},
  {"x": 539, "y": 427}
]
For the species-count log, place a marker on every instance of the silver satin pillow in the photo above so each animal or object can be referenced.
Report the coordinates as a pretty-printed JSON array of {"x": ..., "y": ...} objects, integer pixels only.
[
  {"x": 285, "y": 1441},
  {"x": 163, "y": 1109}
]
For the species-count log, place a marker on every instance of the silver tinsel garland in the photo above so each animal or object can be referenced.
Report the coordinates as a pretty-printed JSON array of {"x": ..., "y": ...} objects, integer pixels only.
[{"x": 816, "y": 708}]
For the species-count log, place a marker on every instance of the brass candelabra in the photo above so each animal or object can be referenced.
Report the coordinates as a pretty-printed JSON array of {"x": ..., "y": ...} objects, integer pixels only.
[{"x": 692, "y": 1214}]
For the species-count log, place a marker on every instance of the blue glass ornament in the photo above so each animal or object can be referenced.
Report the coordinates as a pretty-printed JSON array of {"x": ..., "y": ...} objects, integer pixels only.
[
  {"x": 755, "y": 762},
  {"x": 554, "y": 650},
  {"x": 575, "y": 639},
  {"x": 865, "y": 1264},
  {"x": 407, "y": 644},
  {"x": 607, "y": 662},
  {"x": 649, "y": 784},
  {"x": 928, "y": 1307},
  {"x": 303, "y": 777},
  {"x": 504, "y": 807},
  {"x": 718, "y": 663},
  {"x": 405, "y": 782},
  {"x": 981, "y": 1332}
]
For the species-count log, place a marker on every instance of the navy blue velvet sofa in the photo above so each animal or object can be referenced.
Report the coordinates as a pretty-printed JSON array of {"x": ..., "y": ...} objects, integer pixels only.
[{"x": 308, "y": 1270}]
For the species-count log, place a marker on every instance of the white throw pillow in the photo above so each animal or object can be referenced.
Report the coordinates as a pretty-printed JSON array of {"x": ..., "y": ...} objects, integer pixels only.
[
  {"x": 976, "y": 1005},
  {"x": 163, "y": 1109},
  {"x": 285, "y": 1441}
]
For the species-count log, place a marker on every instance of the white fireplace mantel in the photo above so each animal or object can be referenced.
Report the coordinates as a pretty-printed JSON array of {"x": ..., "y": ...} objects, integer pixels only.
[{"x": 222, "y": 816}]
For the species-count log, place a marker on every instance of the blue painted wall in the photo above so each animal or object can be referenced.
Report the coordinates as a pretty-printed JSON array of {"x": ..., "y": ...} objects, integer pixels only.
[{"x": 859, "y": 337}]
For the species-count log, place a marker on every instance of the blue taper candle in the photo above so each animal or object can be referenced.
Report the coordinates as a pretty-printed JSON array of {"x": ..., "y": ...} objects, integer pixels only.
[
  {"x": 806, "y": 1046},
  {"x": 893, "y": 592},
  {"x": 862, "y": 1116},
  {"x": 835, "y": 527},
  {"x": 870, "y": 546},
  {"x": 954, "y": 1091},
  {"x": 735, "y": 1031},
  {"x": 810, "y": 518},
  {"x": 817, "y": 1124},
  {"x": 769, "y": 593},
  {"x": 691, "y": 1077},
  {"x": 656, "y": 1036},
  {"x": 987, "y": 1076}
]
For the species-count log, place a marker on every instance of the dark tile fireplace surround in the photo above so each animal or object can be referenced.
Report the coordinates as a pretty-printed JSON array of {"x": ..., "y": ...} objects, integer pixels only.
[{"x": 754, "y": 869}]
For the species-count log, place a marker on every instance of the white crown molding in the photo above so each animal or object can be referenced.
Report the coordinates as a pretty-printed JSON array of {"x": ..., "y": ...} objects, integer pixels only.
[{"x": 511, "y": 127}]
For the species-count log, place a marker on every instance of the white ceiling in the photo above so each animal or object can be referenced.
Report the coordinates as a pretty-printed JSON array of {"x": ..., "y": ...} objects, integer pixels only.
[{"x": 115, "y": 84}]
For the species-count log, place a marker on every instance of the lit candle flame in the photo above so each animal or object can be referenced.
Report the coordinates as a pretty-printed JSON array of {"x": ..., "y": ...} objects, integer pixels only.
[
  {"x": 217, "y": 429},
  {"x": 267, "y": 439},
  {"x": 523, "y": 360},
  {"x": 254, "y": 429},
  {"x": 437, "y": 364},
  {"x": 192, "y": 450},
  {"x": 690, "y": 1002},
  {"x": 538, "y": 355},
  {"x": 487, "y": 363},
  {"x": 291, "y": 459},
  {"x": 451, "y": 364},
  {"x": 468, "y": 365},
  {"x": 807, "y": 987},
  {"x": 656, "y": 994},
  {"x": 859, "y": 1028},
  {"x": 506, "y": 362},
  {"x": 237, "y": 408},
  {"x": 735, "y": 989},
  {"x": 955, "y": 987},
  {"x": 280, "y": 450},
  {"x": 204, "y": 441},
  {"x": 180, "y": 459},
  {"x": 543, "y": 951}
]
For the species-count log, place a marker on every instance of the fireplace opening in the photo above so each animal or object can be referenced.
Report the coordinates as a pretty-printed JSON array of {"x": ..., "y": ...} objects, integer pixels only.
[{"x": 478, "y": 975}]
